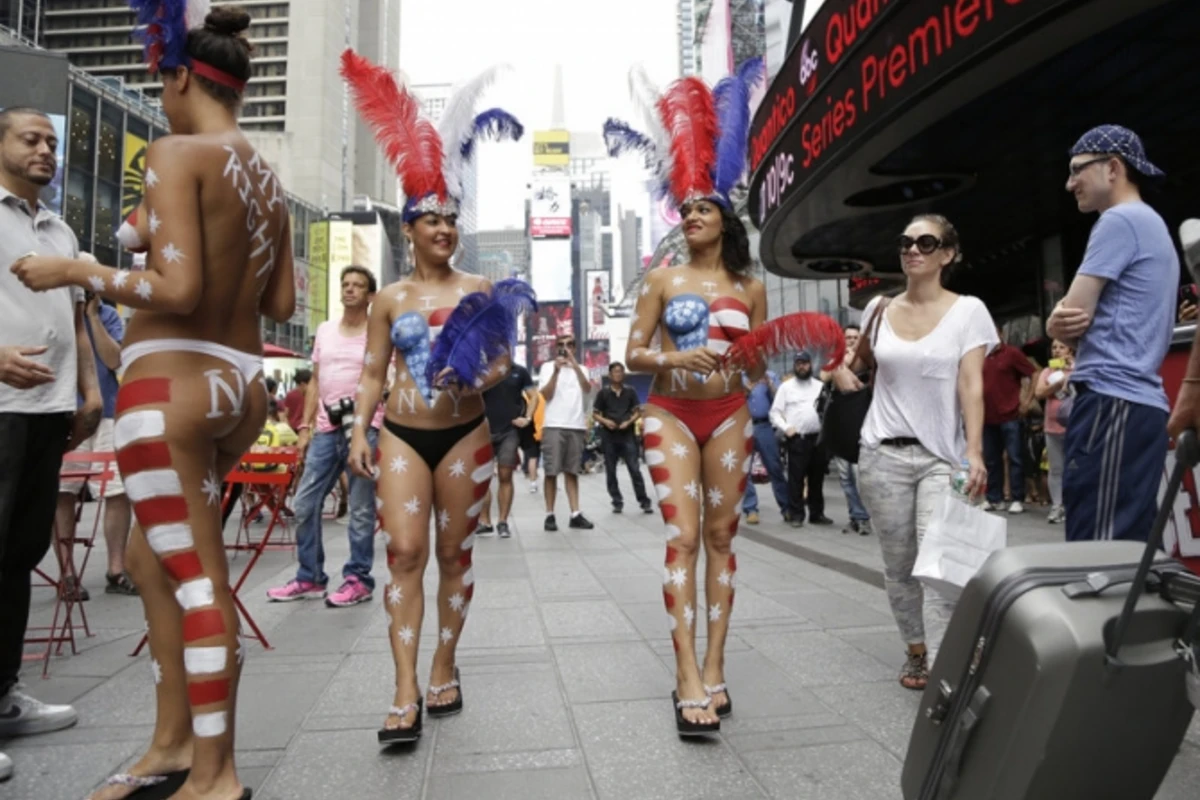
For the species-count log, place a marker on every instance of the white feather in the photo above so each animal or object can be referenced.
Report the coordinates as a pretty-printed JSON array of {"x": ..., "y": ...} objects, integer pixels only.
[
  {"x": 458, "y": 122},
  {"x": 645, "y": 95},
  {"x": 197, "y": 10}
]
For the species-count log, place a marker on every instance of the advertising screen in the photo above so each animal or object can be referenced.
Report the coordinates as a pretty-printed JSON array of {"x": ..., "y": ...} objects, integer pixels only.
[{"x": 550, "y": 208}]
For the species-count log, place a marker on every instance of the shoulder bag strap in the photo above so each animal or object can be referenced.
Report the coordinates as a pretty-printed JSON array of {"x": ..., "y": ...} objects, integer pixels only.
[{"x": 865, "y": 352}]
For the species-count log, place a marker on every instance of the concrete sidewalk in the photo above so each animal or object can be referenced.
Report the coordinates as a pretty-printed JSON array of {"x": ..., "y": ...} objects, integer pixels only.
[{"x": 567, "y": 672}]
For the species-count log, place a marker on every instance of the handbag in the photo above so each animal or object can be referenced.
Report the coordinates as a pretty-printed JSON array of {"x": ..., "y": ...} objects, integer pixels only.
[
  {"x": 958, "y": 539},
  {"x": 841, "y": 427}
]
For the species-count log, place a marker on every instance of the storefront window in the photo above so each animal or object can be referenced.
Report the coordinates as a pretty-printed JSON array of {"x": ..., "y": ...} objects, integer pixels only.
[
  {"x": 108, "y": 161},
  {"x": 79, "y": 205},
  {"x": 108, "y": 211},
  {"x": 81, "y": 146}
]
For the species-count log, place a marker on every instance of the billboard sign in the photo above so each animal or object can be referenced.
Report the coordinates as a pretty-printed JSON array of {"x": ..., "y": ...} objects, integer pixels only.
[
  {"x": 318, "y": 271},
  {"x": 551, "y": 148},
  {"x": 596, "y": 291},
  {"x": 548, "y": 322},
  {"x": 550, "y": 209},
  {"x": 550, "y": 269},
  {"x": 132, "y": 186}
]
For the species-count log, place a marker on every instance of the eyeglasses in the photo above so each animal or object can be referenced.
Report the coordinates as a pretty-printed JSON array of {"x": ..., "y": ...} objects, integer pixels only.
[
  {"x": 926, "y": 243},
  {"x": 1077, "y": 169}
]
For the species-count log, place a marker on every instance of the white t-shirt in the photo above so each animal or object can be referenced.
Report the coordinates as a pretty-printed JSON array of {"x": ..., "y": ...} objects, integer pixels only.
[
  {"x": 565, "y": 409},
  {"x": 916, "y": 383}
]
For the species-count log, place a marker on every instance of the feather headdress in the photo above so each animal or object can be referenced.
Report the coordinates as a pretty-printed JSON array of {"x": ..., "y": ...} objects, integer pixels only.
[
  {"x": 817, "y": 334},
  {"x": 163, "y": 26},
  {"x": 482, "y": 327},
  {"x": 696, "y": 138},
  {"x": 430, "y": 161}
]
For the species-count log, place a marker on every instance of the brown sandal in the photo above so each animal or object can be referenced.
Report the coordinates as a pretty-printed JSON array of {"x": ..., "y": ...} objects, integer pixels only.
[{"x": 915, "y": 673}]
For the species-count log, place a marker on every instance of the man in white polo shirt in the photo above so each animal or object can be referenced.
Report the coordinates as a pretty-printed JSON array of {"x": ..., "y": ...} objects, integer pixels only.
[
  {"x": 45, "y": 357},
  {"x": 565, "y": 387}
]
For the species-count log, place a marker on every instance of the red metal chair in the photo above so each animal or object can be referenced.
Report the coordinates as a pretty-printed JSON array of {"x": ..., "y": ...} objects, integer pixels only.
[{"x": 79, "y": 466}]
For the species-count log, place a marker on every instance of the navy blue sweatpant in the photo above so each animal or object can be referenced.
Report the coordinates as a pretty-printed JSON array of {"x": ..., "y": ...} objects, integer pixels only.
[{"x": 1114, "y": 458}]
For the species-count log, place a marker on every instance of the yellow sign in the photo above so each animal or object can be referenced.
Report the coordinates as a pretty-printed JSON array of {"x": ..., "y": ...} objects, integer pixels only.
[
  {"x": 341, "y": 255},
  {"x": 132, "y": 187},
  {"x": 551, "y": 148},
  {"x": 318, "y": 270}
]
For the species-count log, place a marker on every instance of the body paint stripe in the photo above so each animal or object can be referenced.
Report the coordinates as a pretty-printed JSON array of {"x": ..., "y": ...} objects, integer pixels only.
[
  {"x": 202, "y": 624},
  {"x": 183, "y": 566},
  {"x": 204, "y": 660},
  {"x": 195, "y": 594},
  {"x": 202, "y": 693},
  {"x": 152, "y": 483},
  {"x": 165, "y": 538},
  {"x": 138, "y": 425},
  {"x": 144, "y": 392},
  {"x": 209, "y": 725},
  {"x": 161, "y": 511},
  {"x": 144, "y": 456}
]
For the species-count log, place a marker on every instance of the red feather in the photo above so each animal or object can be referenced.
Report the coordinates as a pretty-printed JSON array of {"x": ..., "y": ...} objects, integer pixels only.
[
  {"x": 809, "y": 331},
  {"x": 690, "y": 117},
  {"x": 410, "y": 143}
]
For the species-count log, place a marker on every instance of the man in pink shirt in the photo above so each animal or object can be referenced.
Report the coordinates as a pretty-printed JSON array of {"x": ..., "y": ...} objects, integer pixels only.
[{"x": 325, "y": 444}]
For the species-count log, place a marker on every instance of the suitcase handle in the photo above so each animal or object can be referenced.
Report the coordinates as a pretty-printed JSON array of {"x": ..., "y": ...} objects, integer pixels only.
[
  {"x": 971, "y": 716},
  {"x": 1187, "y": 454}
]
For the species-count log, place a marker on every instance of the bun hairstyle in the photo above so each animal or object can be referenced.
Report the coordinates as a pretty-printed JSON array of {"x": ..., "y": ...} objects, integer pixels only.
[{"x": 220, "y": 44}]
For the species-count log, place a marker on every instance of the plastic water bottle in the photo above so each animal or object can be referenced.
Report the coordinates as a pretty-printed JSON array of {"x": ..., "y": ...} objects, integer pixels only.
[{"x": 958, "y": 481}]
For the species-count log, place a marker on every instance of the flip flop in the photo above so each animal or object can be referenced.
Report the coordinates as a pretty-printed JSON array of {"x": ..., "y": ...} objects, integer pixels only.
[
  {"x": 684, "y": 726},
  {"x": 403, "y": 735},
  {"x": 149, "y": 787},
  {"x": 726, "y": 708},
  {"x": 446, "y": 709}
]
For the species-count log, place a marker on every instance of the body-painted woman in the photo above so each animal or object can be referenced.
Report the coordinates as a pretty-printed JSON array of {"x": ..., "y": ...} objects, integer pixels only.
[{"x": 218, "y": 243}]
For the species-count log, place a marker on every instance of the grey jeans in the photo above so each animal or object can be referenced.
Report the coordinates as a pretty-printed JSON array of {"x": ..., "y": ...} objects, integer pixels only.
[
  {"x": 901, "y": 488},
  {"x": 1055, "y": 444}
]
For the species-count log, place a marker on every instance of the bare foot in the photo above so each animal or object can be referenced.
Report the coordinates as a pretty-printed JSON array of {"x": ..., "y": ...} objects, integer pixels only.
[
  {"x": 693, "y": 689},
  {"x": 403, "y": 698},
  {"x": 715, "y": 676},
  {"x": 154, "y": 762},
  {"x": 438, "y": 678}
]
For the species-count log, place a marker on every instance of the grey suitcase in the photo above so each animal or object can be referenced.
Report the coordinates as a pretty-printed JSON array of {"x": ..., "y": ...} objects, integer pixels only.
[{"x": 1057, "y": 678}]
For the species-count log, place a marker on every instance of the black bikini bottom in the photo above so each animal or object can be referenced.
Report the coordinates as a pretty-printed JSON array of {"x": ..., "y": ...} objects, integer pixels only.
[{"x": 432, "y": 445}]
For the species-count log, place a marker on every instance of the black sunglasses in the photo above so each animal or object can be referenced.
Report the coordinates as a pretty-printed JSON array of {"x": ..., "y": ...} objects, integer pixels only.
[
  {"x": 926, "y": 243},
  {"x": 1076, "y": 170}
]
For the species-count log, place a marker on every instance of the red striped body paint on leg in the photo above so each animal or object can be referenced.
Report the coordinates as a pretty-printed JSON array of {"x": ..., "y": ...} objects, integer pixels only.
[
  {"x": 144, "y": 392},
  {"x": 202, "y": 624},
  {"x": 202, "y": 693}
]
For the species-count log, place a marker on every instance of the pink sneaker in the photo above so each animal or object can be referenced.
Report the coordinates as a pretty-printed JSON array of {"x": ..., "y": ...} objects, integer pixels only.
[
  {"x": 295, "y": 590},
  {"x": 350, "y": 593}
]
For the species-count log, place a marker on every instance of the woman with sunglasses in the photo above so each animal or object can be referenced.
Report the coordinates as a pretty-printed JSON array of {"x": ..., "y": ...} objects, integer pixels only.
[{"x": 926, "y": 418}]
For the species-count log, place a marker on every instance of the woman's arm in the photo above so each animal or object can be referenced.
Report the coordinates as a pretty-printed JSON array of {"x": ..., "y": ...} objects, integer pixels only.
[
  {"x": 970, "y": 397},
  {"x": 758, "y": 315},
  {"x": 639, "y": 357},
  {"x": 173, "y": 279},
  {"x": 375, "y": 363}
]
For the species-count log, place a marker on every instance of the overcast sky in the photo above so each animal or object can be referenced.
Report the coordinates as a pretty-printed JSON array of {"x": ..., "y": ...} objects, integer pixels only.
[{"x": 447, "y": 41}]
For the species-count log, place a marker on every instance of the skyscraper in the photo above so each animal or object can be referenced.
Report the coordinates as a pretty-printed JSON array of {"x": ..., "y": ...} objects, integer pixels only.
[
  {"x": 295, "y": 108},
  {"x": 688, "y": 63}
]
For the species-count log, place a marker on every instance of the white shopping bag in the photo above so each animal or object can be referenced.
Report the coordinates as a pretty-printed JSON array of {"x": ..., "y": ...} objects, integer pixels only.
[{"x": 959, "y": 538}]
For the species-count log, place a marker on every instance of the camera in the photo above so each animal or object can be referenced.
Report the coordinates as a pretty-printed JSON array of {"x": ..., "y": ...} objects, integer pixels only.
[
  {"x": 341, "y": 415},
  {"x": 562, "y": 352}
]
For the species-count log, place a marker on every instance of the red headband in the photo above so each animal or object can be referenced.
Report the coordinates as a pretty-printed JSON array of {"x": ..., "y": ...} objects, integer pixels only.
[{"x": 217, "y": 76}]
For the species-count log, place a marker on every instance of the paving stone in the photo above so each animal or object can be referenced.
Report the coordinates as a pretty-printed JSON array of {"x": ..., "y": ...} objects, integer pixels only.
[
  {"x": 605, "y": 672},
  {"x": 859, "y": 770},
  {"x": 816, "y": 658},
  {"x": 271, "y": 707},
  {"x": 600, "y": 619},
  {"x": 503, "y": 594},
  {"x": 619, "y": 563},
  {"x": 633, "y": 750},
  {"x": 501, "y": 627},
  {"x": 885, "y": 710},
  {"x": 447, "y": 762},
  {"x": 537, "y": 784},
  {"x": 1183, "y": 777},
  {"x": 829, "y": 610},
  {"x": 64, "y": 770},
  {"x": 347, "y": 764},
  {"x": 508, "y": 713}
]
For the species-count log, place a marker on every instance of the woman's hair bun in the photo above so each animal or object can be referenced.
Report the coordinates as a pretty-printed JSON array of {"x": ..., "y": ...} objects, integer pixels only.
[{"x": 227, "y": 20}]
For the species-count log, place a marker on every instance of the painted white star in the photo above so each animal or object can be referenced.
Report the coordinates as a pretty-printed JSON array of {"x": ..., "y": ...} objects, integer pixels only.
[
  {"x": 645, "y": 289},
  {"x": 443, "y": 519},
  {"x": 725, "y": 579},
  {"x": 96, "y": 282},
  {"x": 143, "y": 289},
  {"x": 738, "y": 286},
  {"x": 413, "y": 506},
  {"x": 715, "y": 496},
  {"x": 638, "y": 336},
  {"x": 400, "y": 295},
  {"x": 212, "y": 488},
  {"x": 693, "y": 490},
  {"x": 151, "y": 178},
  {"x": 395, "y": 595},
  {"x": 368, "y": 358},
  {"x": 458, "y": 469},
  {"x": 679, "y": 450},
  {"x": 172, "y": 254},
  {"x": 447, "y": 635},
  {"x": 660, "y": 360},
  {"x": 156, "y": 670},
  {"x": 729, "y": 460},
  {"x": 688, "y": 615},
  {"x": 399, "y": 464},
  {"x": 679, "y": 577},
  {"x": 457, "y": 601},
  {"x": 714, "y": 612},
  {"x": 154, "y": 222},
  {"x": 241, "y": 651},
  {"x": 460, "y": 291},
  {"x": 402, "y": 377},
  {"x": 406, "y": 635},
  {"x": 678, "y": 280},
  {"x": 119, "y": 277}
]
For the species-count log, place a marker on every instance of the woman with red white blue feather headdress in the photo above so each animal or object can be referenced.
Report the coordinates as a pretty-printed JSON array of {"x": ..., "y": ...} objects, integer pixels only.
[
  {"x": 700, "y": 330},
  {"x": 449, "y": 336},
  {"x": 216, "y": 235}
]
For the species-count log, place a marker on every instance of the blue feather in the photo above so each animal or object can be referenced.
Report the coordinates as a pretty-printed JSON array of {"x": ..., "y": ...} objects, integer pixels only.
[
  {"x": 495, "y": 124},
  {"x": 620, "y": 138},
  {"x": 170, "y": 32},
  {"x": 732, "y": 99},
  {"x": 480, "y": 329}
]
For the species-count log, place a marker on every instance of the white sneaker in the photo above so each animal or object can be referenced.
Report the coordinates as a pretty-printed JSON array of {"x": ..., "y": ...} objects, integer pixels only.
[
  {"x": 1016, "y": 507},
  {"x": 990, "y": 506},
  {"x": 533, "y": 488},
  {"x": 5, "y": 767},
  {"x": 21, "y": 715}
]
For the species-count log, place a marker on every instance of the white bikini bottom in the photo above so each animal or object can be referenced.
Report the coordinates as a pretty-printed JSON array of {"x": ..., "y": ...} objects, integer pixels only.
[{"x": 249, "y": 364}]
